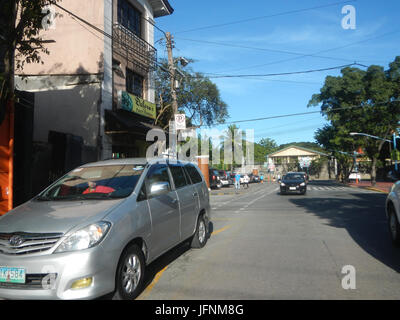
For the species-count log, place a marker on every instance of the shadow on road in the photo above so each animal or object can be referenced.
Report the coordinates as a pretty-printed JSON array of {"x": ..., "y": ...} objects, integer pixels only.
[
  {"x": 167, "y": 258},
  {"x": 363, "y": 216}
]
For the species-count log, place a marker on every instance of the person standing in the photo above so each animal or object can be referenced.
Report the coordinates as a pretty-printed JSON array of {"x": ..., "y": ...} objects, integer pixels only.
[{"x": 262, "y": 178}]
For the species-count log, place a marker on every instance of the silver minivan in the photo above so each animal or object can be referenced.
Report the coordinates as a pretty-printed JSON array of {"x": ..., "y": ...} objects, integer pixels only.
[{"x": 94, "y": 231}]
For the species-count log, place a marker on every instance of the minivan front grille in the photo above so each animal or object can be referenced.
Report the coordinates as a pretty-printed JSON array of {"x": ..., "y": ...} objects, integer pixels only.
[{"x": 20, "y": 243}]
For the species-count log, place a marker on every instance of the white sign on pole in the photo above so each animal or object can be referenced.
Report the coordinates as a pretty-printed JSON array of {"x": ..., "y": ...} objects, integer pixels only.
[
  {"x": 180, "y": 121},
  {"x": 305, "y": 162}
]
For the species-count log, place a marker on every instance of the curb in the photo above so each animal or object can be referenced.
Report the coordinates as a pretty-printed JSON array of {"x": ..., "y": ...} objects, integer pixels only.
[
  {"x": 368, "y": 188},
  {"x": 375, "y": 189}
]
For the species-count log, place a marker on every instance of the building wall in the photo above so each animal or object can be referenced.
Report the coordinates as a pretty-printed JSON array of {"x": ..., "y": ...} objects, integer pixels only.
[
  {"x": 72, "y": 111},
  {"x": 78, "y": 48}
]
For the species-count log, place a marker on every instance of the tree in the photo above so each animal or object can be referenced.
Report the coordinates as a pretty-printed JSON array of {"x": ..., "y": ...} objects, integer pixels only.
[
  {"x": 20, "y": 40},
  {"x": 268, "y": 144},
  {"x": 362, "y": 101},
  {"x": 198, "y": 97},
  {"x": 340, "y": 145}
]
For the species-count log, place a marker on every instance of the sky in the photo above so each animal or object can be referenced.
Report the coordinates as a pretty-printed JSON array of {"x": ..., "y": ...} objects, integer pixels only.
[{"x": 231, "y": 37}]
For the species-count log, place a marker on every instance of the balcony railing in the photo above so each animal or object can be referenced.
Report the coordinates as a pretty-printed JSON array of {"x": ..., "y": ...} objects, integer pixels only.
[{"x": 136, "y": 50}]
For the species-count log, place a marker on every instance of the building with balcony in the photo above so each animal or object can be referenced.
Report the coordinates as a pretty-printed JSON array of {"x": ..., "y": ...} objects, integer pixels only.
[{"x": 93, "y": 96}]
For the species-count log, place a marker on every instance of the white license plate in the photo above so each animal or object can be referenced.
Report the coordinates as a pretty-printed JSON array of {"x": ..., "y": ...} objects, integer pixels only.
[
  {"x": 292, "y": 188},
  {"x": 13, "y": 275}
]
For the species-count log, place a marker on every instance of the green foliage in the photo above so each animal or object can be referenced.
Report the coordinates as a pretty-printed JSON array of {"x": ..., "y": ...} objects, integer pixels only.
[
  {"x": 198, "y": 97},
  {"x": 372, "y": 107}
]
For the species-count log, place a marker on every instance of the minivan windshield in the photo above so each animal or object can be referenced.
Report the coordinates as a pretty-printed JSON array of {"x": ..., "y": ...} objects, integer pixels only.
[{"x": 97, "y": 182}]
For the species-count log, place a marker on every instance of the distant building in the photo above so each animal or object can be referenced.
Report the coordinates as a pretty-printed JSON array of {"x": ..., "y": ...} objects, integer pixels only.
[{"x": 289, "y": 158}]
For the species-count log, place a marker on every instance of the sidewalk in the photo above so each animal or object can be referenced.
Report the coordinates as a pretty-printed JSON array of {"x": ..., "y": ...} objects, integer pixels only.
[{"x": 380, "y": 186}]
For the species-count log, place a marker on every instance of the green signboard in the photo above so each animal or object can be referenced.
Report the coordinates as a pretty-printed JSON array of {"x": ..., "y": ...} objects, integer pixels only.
[{"x": 137, "y": 105}]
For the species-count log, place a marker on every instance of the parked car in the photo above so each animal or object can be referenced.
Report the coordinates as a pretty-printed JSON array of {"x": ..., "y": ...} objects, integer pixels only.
[
  {"x": 254, "y": 178},
  {"x": 94, "y": 231},
  {"x": 393, "y": 175},
  {"x": 293, "y": 182},
  {"x": 214, "y": 178},
  {"x": 354, "y": 176},
  {"x": 393, "y": 212},
  {"x": 225, "y": 178}
]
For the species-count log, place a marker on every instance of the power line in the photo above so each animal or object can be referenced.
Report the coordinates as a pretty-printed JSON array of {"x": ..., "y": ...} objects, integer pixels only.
[
  {"x": 317, "y": 53},
  {"x": 260, "y": 49},
  {"x": 300, "y": 114},
  {"x": 283, "y": 73},
  {"x": 264, "y": 17}
]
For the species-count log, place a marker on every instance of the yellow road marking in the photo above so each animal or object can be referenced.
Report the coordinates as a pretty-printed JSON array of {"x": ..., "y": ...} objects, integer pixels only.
[
  {"x": 153, "y": 283},
  {"x": 157, "y": 277},
  {"x": 219, "y": 230}
]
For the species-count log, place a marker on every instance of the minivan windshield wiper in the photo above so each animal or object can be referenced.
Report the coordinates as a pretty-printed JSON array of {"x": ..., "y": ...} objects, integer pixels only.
[{"x": 44, "y": 198}]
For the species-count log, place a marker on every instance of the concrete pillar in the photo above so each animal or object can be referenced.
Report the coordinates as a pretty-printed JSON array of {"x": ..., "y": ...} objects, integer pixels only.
[{"x": 202, "y": 162}]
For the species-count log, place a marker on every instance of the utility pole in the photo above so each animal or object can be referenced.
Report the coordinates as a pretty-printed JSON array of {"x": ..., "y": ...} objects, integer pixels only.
[
  {"x": 172, "y": 127},
  {"x": 171, "y": 68}
]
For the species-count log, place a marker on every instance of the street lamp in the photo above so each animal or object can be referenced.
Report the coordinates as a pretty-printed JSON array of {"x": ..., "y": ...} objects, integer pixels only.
[
  {"x": 368, "y": 135},
  {"x": 378, "y": 138}
]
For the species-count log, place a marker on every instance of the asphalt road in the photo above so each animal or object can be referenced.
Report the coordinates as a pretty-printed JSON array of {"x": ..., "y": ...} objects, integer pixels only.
[{"x": 270, "y": 246}]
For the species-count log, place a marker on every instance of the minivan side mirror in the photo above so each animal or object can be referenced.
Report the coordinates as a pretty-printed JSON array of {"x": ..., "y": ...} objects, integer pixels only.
[{"x": 158, "y": 188}]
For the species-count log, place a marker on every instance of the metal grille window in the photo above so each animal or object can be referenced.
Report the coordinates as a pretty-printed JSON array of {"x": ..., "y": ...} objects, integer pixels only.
[
  {"x": 134, "y": 83},
  {"x": 129, "y": 17}
]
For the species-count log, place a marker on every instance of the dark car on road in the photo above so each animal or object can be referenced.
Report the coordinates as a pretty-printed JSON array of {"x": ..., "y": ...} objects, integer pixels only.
[{"x": 293, "y": 182}]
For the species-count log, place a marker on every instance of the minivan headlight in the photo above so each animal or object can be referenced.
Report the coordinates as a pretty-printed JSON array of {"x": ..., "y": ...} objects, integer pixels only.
[
  {"x": 85, "y": 238},
  {"x": 302, "y": 184}
]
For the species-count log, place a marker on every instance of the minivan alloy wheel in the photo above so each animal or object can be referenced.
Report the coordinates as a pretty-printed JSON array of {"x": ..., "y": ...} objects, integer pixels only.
[
  {"x": 131, "y": 273},
  {"x": 202, "y": 231},
  {"x": 199, "y": 239}
]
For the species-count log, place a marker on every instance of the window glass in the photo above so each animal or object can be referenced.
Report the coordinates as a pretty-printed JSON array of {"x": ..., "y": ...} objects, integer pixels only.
[
  {"x": 294, "y": 177},
  {"x": 193, "y": 173},
  {"x": 129, "y": 17},
  {"x": 134, "y": 83},
  {"x": 178, "y": 176},
  {"x": 157, "y": 173},
  {"x": 97, "y": 182}
]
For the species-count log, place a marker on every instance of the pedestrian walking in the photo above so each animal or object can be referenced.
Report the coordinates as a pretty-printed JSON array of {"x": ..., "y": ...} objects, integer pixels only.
[
  {"x": 262, "y": 178},
  {"x": 246, "y": 180},
  {"x": 237, "y": 181}
]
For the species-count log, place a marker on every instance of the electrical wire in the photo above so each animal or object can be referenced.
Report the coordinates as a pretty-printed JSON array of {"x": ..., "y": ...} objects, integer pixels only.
[
  {"x": 316, "y": 53},
  {"x": 284, "y": 73},
  {"x": 264, "y": 17},
  {"x": 262, "y": 49},
  {"x": 300, "y": 114}
]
